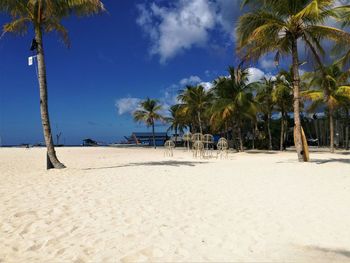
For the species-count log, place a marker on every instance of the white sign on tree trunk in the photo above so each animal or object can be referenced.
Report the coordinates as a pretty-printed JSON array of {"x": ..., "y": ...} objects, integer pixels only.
[{"x": 30, "y": 61}]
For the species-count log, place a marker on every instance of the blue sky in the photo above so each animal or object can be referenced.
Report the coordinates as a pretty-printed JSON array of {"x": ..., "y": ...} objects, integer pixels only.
[{"x": 138, "y": 49}]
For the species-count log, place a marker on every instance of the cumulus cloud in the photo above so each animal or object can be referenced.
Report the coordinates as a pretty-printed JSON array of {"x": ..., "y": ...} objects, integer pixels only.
[
  {"x": 192, "y": 80},
  {"x": 127, "y": 105},
  {"x": 184, "y": 24},
  {"x": 267, "y": 63},
  {"x": 255, "y": 74}
]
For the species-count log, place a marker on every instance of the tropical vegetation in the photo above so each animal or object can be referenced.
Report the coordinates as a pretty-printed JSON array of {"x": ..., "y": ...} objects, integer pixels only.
[
  {"x": 40, "y": 17},
  {"x": 149, "y": 113}
]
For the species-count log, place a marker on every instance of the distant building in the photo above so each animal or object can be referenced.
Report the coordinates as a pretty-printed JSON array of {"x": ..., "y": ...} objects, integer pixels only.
[{"x": 146, "y": 138}]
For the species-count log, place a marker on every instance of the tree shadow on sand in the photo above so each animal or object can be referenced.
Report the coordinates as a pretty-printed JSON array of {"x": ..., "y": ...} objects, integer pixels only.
[
  {"x": 339, "y": 252},
  {"x": 332, "y": 160},
  {"x": 261, "y": 152},
  {"x": 162, "y": 163}
]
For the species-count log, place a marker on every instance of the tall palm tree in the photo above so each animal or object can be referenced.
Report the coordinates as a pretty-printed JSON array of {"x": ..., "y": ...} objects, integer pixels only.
[
  {"x": 234, "y": 100},
  {"x": 332, "y": 90},
  {"x": 265, "y": 102},
  {"x": 194, "y": 102},
  {"x": 176, "y": 120},
  {"x": 149, "y": 113},
  {"x": 282, "y": 97},
  {"x": 278, "y": 26},
  {"x": 45, "y": 16}
]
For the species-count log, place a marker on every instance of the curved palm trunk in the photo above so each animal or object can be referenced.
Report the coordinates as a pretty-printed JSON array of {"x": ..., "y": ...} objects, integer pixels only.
[
  {"x": 296, "y": 104},
  {"x": 331, "y": 130},
  {"x": 269, "y": 130},
  {"x": 282, "y": 132},
  {"x": 52, "y": 160},
  {"x": 153, "y": 135}
]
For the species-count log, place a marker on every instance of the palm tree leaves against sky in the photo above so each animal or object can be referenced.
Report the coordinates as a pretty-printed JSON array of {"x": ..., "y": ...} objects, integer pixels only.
[
  {"x": 195, "y": 101},
  {"x": 328, "y": 87},
  {"x": 233, "y": 99},
  {"x": 149, "y": 113},
  {"x": 176, "y": 120},
  {"x": 278, "y": 25},
  {"x": 45, "y": 16}
]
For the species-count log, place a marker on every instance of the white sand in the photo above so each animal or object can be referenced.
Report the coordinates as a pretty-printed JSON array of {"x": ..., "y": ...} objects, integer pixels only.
[{"x": 135, "y": 205}]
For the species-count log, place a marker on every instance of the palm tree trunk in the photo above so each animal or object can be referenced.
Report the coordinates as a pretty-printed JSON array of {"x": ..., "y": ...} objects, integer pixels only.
[
  {"x": 296, "y": 93},
  {"x": 347, "y": 129},
  {"x": 282, "y": 131},
  {"x": 254, "y": 133},
  {"x": 239, "y": 131},
  {"x": 199, "y": 122},
  {"x": 175, "y": 135},
  {"x": 331, "y": 129},
  {"x": 269, "y": 130},
  {"x": 52, "y": 160},
  {"x": 316, "y": 131},
  {"x": 153, "y": 135}
]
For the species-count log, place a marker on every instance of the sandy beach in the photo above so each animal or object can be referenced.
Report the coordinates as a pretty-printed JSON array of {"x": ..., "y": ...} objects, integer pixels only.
[{"x": 134, "y": 205}]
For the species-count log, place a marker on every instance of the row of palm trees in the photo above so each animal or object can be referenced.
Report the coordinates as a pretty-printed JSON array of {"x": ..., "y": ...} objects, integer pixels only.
[
  {"x": 240, "y": 109},
  {"x": 280, "y": 26}
]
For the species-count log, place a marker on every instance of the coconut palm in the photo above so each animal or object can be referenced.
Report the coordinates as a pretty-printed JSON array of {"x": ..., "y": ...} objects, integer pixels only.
[
  {"x": 278, "y": 26},
  {"x": 45, "y": 16},
  {"x": 149, "y": 113},
  {"x": 176, "y": 120},
  {"x": 265, "y": 102},
  {"x": 282, "y": 97},
  {"x": 194, "y": 102},
  {"x": 234, "y": 100},
  {"x": 331, "y": 90}
]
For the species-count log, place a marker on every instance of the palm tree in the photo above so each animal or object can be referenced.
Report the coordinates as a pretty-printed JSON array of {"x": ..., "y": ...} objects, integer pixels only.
[
  {"x": 149, "y": 113},
  {"x": 264, "y": 99},
  {"x": 45, "y": 16},
  {"x": 277, "y": 26},
  {"x": 282, "y": 97},
  {"x": 331, "y": 89},
  {"x": 234, "y": 100},
  {"x": 194, "y": 102},
  {"x": 176, "y": 120}
]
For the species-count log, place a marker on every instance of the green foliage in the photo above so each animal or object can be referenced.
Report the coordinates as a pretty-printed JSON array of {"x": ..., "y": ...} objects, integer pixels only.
[
  {"x": 149, "y": 112},
  {"x": 46, "y": 14}
]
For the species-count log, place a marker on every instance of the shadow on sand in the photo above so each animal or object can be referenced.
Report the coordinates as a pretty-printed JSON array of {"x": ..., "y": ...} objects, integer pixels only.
[
  {"x": 339, "y": 252},
  {"x": 162, "y": 163},
  {"x": 261, "y": 152},
  {"x": 332, "y": 160}
]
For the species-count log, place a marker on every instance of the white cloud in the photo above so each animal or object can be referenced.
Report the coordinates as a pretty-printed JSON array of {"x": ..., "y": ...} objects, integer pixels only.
[
  {"x": 167, "y": 98},
  {"x": 207, "y": 85},
  {"x": 192, "y": 80},
  {"x": 255, "y": 74},
  {"x": 184, "y": 24},
  {"x": 177, "y": 28},
  {"x": 127, "y": 105},
  {"x": 267, "y": 63}
]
